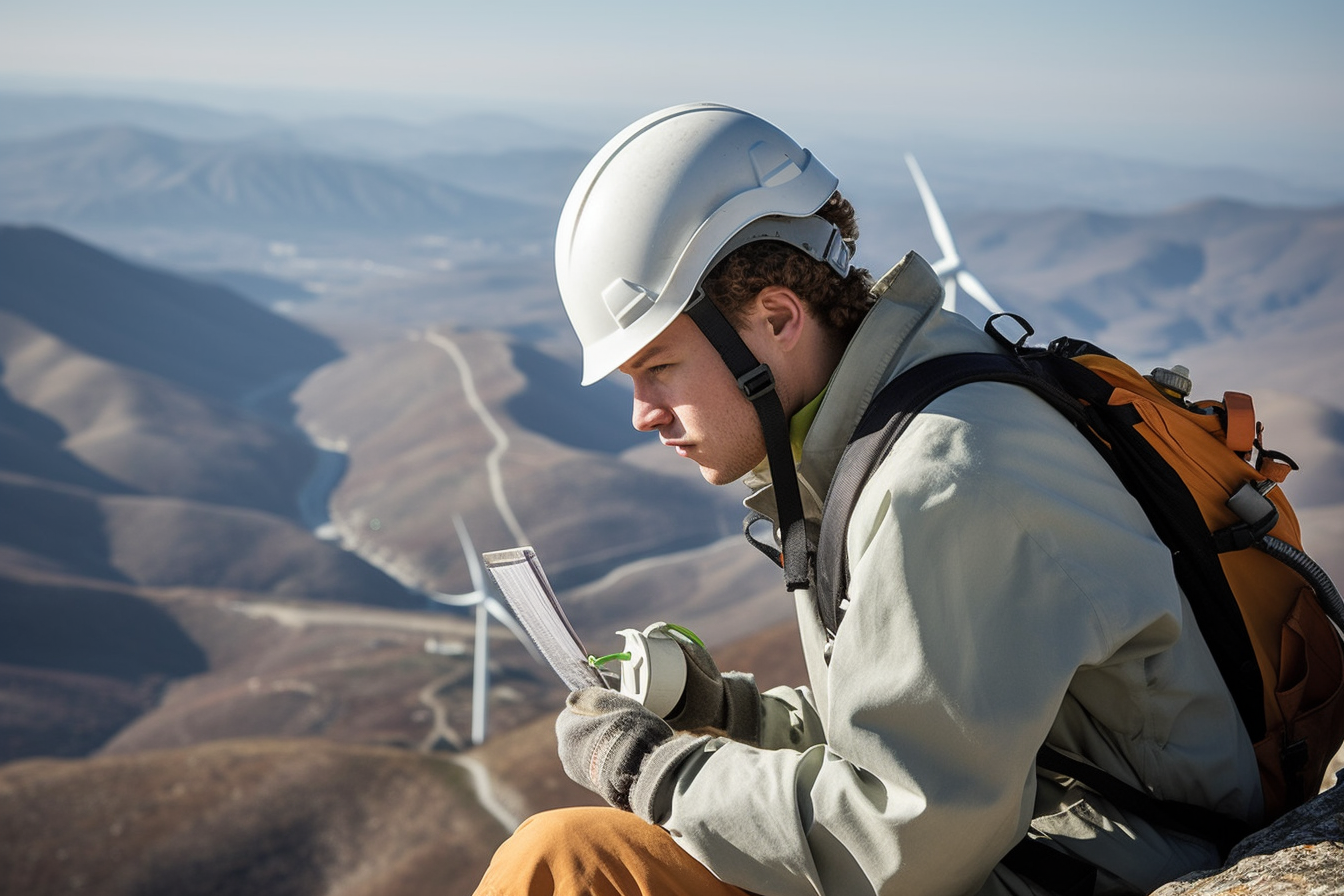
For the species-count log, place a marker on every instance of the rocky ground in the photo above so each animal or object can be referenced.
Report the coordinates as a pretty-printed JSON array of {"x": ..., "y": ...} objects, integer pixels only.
[{"x": 1302, "y": 854}]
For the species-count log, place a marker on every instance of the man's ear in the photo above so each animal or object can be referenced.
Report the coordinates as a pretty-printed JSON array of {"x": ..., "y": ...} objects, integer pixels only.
[{"x": 784, "y": 311}]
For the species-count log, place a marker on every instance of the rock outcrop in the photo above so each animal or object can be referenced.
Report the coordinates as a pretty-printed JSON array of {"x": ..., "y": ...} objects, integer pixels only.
[{"x": 1301, "y": 854}]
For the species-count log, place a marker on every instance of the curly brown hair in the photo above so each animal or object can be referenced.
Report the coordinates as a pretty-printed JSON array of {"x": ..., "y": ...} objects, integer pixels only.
[{"x": 839, "y": 303}]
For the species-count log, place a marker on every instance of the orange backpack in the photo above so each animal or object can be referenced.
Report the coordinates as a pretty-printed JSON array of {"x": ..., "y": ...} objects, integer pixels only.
[
  {"x": 1300, "y": 683},
  {"x": 1209, "y": 488}
]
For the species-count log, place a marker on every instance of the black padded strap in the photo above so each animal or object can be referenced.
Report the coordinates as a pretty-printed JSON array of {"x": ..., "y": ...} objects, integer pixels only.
[
  {"x": 890, "y": 413},
  {"x": 1222, "y": 831},
  {"x": 758, "y": 385},
  {"x": 1175, "y": 517},
  {"x": 753, "y": 517}
]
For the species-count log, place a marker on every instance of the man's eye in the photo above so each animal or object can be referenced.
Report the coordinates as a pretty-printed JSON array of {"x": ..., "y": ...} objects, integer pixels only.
[{"x": 658, "y": 368}]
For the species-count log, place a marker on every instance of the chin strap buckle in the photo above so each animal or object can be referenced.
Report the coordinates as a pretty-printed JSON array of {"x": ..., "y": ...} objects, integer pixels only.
[{"x": 757, "y": 382}]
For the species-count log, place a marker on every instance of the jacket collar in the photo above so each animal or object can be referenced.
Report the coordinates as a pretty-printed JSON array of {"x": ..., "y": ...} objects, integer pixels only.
[{"x": 905, "y": 326}]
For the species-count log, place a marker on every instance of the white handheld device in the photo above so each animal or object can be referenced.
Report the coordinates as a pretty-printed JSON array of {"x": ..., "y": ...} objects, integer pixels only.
[{"x": 655, "y": 673}]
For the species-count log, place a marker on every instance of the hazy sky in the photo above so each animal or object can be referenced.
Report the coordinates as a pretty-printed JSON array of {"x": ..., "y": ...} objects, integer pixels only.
[{"x": 1235, "y": 81}]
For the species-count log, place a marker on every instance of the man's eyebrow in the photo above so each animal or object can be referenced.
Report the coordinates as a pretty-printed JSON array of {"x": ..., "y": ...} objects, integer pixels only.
[{"x": 641, "y": 360}]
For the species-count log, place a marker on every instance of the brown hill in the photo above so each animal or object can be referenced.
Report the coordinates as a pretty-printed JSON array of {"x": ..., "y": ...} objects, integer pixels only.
[
  {"x": 53, "y": 712},
  {"x": 147, "y": 450},
  {"x": 201, "y": 337},
  {"x": 30, "y": 443},
  {"x": 1215, "y": 272},
  {"x": 170, "y": 542},
  {"x": 151, "y": 440},
  {"x": 418, "y": 455},
  {"x": 53, "y": 527},
  {"x": 347, "y": 673},
  {"x": 144, "y": 433},
  {"x": 774, "y": 655},
  {"x": 79, "y": 660},
  {"x": 289, "y": 818}
]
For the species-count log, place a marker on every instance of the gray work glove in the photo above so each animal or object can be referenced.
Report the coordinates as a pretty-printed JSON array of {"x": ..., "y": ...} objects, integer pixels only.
[
  {"x": 728, "y": 702},
  {"x": 604, "y": 736}
]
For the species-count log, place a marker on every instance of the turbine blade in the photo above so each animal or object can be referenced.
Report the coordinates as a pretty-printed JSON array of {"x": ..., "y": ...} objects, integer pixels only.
[
  {"x": 950, "y": 293},
  {"x": 456, "y": 600},
  {"x": 497, "y": 610},
  {"x": 941, "y": 234},
  {"x": 473, "y": 562},
  {"x": 480, "y": 677},
  {"x": 976, "y": 290}
]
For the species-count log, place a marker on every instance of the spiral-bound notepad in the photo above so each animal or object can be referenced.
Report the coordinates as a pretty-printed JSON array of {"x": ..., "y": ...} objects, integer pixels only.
[{"x": 523, "y": 582}]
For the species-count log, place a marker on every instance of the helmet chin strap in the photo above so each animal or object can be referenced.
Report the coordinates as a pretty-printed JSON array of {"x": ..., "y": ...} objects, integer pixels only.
[{"x": 758, "y": 385}]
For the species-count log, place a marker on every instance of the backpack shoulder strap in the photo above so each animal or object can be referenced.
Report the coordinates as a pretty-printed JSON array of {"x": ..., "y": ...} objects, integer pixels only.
[
  {"x": 887, "y": 417},
  {"x": 1223, "y": 831}
]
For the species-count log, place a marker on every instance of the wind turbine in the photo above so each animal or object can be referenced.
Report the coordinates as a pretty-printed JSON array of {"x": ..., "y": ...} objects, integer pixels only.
[
  {"x": 950, "y": 268},
  {"x": 486, "y": 606}
]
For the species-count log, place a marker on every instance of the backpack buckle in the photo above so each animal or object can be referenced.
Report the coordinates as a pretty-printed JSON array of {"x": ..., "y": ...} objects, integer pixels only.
[
  {"x": 1018, "y": 347},
  {"x": 1258, "y": 514}
]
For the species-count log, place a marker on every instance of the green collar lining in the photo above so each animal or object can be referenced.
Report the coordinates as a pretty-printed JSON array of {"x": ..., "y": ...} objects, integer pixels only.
[{"x": 801, "y": 422}]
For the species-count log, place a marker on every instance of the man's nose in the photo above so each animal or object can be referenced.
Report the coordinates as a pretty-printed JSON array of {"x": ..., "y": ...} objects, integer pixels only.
[{"x": 647, "y": 415}]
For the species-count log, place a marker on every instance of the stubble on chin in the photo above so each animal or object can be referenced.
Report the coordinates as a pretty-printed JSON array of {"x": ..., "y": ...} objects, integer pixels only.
[
  {"x": 720, "y": 476},
  {"x": 714, "y": 477}
]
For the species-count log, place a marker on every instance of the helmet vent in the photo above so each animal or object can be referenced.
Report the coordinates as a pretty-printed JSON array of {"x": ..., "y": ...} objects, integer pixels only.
[
  {"x": 772, "y": 166},
  {"x": 627, "y": 301}
]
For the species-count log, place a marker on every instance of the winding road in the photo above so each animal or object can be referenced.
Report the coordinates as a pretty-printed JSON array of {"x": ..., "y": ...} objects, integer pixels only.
[
  {"x": 485, "y": 792},
  {"x": 313, "y": 505},
  {"x": 481, "y": 782},
  {"x": 439, "y": 729},
  {"x": 492, "y": 469}
]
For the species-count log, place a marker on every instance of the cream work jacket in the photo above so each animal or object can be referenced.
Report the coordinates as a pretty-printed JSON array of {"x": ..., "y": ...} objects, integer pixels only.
[{"x": 1005, "y": 590}]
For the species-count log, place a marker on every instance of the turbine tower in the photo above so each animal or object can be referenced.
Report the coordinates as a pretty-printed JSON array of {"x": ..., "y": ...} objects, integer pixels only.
[
  {"x": 950, "y": 268},
  {"x": 486, "y": 606}
]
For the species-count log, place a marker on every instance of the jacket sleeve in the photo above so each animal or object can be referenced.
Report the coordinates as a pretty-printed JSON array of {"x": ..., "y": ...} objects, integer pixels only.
[
  {"x": 789, "y": 720},
  {"x": 989, "y": 562}
]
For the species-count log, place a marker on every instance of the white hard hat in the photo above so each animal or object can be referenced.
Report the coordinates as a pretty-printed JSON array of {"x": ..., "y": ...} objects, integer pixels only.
[{"x": 662, "y": 203}]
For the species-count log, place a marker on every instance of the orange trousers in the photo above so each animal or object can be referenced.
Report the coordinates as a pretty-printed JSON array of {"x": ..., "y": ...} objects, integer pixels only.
[{"x": 594, "y": 851}]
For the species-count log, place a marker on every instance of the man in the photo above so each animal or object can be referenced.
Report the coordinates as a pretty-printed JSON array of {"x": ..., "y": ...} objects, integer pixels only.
[{"x": 1004, "y": 589}]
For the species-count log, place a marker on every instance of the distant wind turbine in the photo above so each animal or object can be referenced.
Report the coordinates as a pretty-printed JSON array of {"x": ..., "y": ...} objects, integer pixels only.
[
  {"x": 950, "y": 268},
  {"x": 486, "y": 606}
]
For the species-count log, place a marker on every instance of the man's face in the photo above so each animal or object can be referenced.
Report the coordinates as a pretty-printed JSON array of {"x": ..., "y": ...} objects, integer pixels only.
[{"x": 684, "y": 392}]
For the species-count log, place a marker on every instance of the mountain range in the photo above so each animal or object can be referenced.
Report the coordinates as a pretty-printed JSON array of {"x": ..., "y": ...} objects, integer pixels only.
[
  {"x": 25, "y": 115},
  {"x": 127, "y": 177}
]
